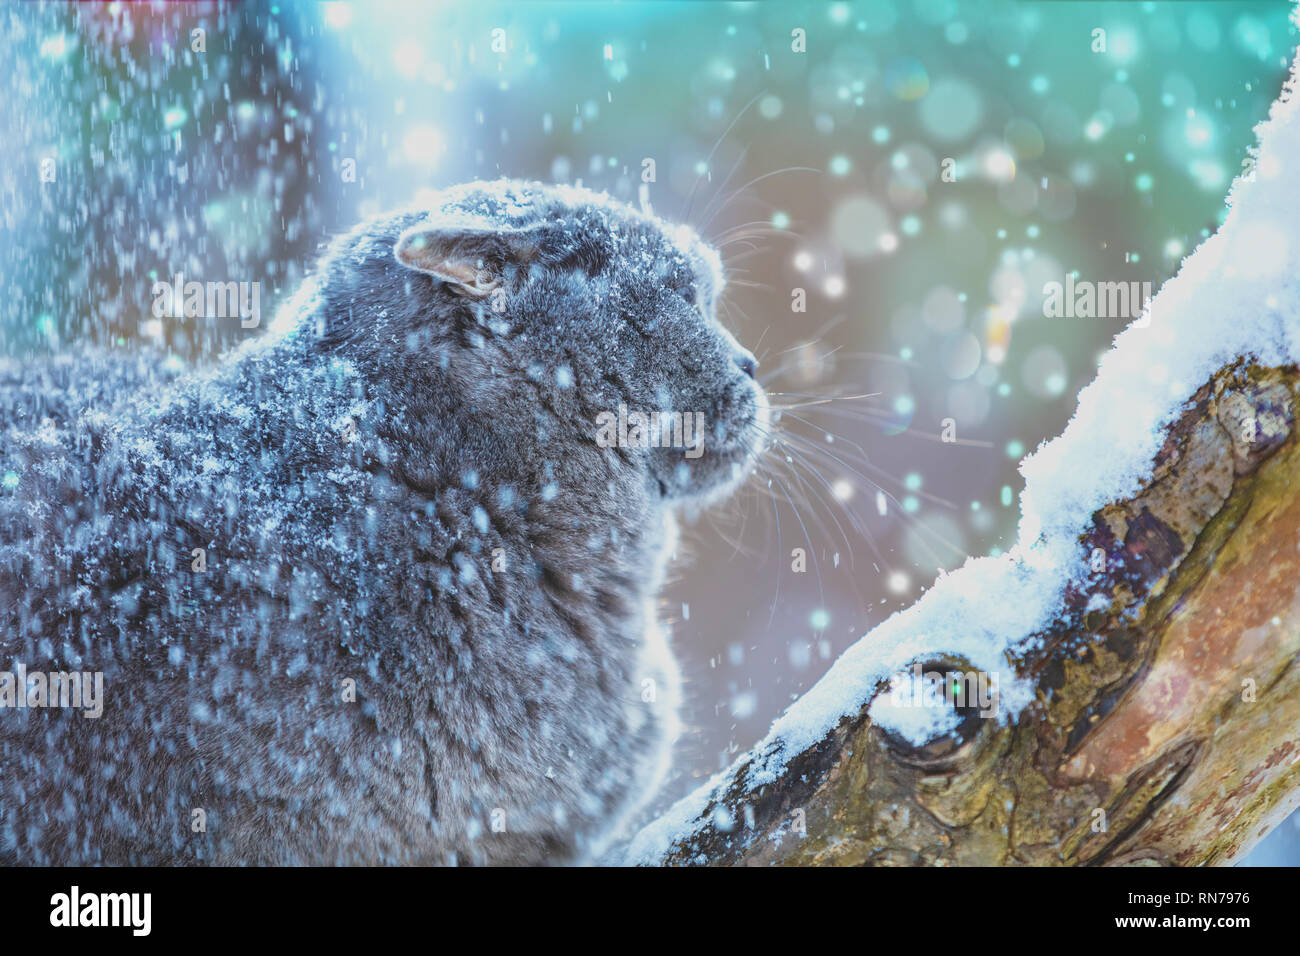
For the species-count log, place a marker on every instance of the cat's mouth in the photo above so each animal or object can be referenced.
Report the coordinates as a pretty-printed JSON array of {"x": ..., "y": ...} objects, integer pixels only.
[{"x": 714, "y": 471}]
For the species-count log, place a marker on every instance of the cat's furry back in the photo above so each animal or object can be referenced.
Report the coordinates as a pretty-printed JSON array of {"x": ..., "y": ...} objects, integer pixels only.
[{"x": 369, "y": 590}]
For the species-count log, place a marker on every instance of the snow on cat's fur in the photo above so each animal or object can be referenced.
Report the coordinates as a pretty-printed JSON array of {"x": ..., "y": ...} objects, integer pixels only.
[{"x": 421, "y": 626}]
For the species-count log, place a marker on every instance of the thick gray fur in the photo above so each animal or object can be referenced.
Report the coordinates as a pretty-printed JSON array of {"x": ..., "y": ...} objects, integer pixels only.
[{"x": 398, "y": 488}]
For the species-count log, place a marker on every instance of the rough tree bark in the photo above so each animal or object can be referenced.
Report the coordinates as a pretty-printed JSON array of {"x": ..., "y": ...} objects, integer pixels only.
[
  {"x": 1143, "y": 710},
  {"x": 1164, "y": 727}
]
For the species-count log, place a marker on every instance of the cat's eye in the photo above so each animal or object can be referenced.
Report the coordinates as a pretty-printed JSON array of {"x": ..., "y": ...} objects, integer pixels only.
[{"x": 688, "y": 294}]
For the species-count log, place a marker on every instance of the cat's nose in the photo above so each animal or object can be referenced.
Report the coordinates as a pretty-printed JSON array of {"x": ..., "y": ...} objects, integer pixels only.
[{"x": 747, "y": 364}]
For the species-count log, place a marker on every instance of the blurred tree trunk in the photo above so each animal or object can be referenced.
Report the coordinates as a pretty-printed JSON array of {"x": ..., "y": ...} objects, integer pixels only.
[{"x": 1165, "y": 729}]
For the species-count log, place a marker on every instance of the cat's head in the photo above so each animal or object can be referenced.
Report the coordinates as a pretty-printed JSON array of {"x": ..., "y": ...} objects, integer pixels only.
[
  {"x": 609, "y": 315},
  {"x": 569, "y": 306}
]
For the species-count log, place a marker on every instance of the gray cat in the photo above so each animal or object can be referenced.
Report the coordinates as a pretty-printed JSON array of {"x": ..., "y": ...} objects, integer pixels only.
[{"x": 379, "y": 587}]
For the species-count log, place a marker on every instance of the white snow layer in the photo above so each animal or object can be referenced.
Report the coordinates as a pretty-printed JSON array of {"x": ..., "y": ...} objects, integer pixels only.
[{"x": 1237, "y": 295}]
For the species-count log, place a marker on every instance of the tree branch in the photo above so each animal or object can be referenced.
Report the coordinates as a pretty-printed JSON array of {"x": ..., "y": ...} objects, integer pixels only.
[
  {"x": 1149, "y": 712},
  {"x": 1175, "y": 711}
]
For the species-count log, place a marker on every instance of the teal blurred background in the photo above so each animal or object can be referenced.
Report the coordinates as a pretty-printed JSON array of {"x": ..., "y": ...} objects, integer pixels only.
[{"x": 819, "y": 169}]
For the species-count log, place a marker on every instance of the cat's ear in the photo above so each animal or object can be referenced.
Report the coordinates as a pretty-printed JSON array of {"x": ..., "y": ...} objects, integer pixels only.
[{"x": 471, "y": 258}]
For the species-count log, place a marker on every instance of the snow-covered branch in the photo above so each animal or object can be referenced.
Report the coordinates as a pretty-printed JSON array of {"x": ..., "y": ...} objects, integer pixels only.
[{"x": 1122, "y": 684}]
